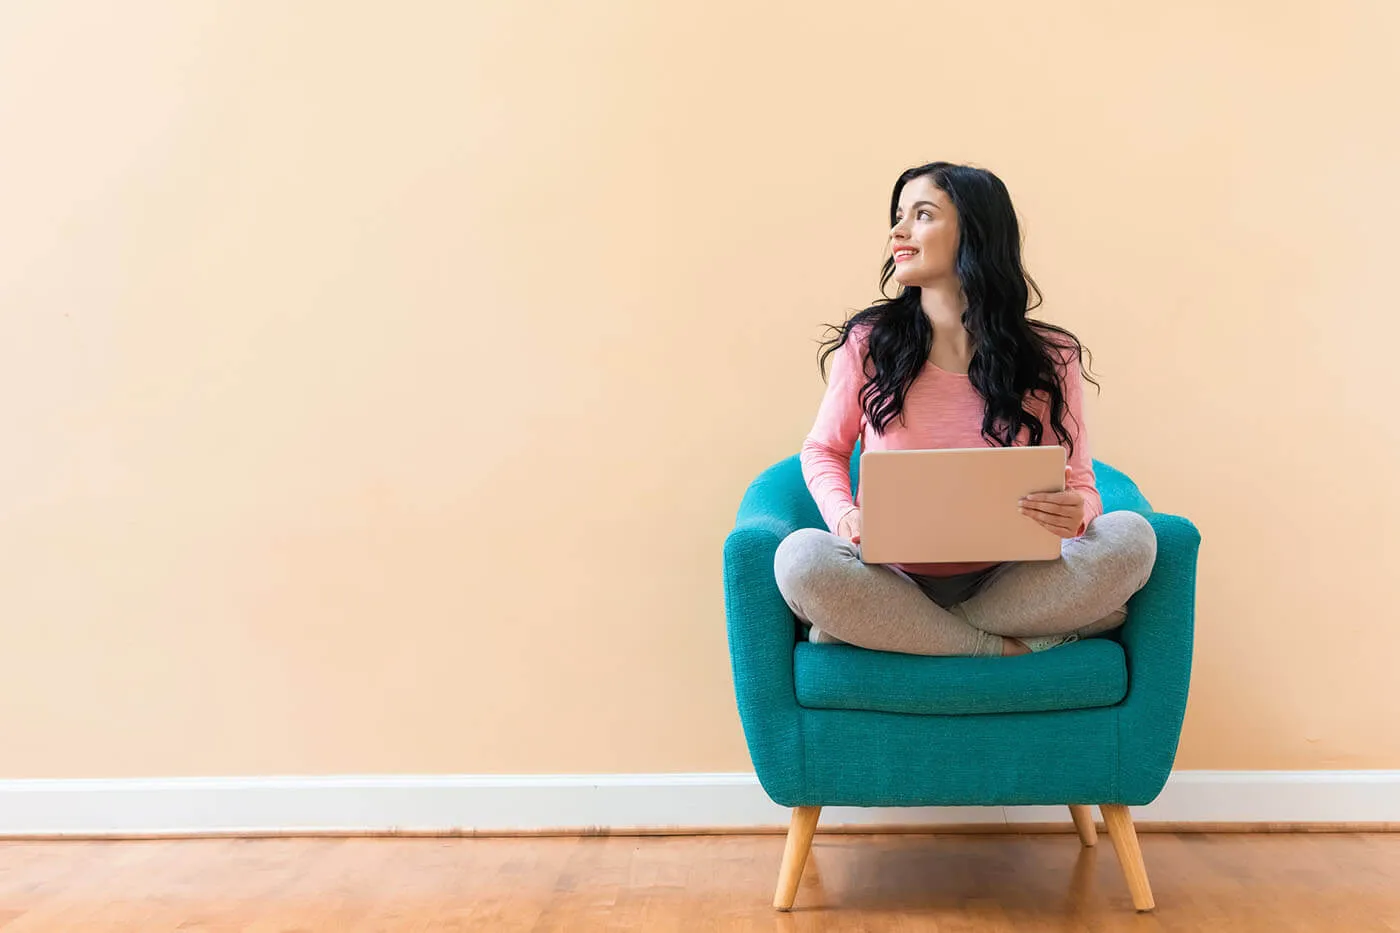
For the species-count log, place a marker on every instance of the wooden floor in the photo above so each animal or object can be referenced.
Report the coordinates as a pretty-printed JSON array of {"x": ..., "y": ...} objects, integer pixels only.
[{"x": 1348, "y": 883}]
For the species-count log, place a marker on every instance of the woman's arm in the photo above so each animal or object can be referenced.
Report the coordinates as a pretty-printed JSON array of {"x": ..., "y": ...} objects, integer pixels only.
[
  {"x": 1080, "y": 460},
  {"x": 826, "y": 453}
]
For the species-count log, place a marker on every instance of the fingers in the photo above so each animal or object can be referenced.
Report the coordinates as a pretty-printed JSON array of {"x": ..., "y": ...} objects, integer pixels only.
[
  {"x": 1064, "y": 510},
  {"x": 1062, "y": 495},
  {"x": 1063, "y": 527}
]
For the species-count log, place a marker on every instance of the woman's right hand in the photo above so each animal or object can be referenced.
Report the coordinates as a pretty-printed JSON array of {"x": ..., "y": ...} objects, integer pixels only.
[{"x": 849, "y": 526}]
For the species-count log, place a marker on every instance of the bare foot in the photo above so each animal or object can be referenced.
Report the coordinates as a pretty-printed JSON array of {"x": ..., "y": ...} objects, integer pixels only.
[{"x": 1010, "y": 647}]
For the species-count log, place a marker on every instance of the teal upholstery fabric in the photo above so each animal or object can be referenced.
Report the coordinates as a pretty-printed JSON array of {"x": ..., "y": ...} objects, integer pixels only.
[
  {"x": 1077, "y": 676},
  {"x": 921, "y": 755}
]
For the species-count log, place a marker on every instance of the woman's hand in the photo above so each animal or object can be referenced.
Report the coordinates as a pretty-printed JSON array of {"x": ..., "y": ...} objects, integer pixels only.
[
  {"x": 1061, "y": 512},
  {"x": 849, "y": 526}
]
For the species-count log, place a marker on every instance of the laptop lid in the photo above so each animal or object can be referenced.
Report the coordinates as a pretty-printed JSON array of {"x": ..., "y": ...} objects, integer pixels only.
[{"x": 956, "y": 504}]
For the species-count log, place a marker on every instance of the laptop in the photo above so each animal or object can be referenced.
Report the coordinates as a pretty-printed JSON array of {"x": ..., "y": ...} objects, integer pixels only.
[{"x": 956, "y": 504}]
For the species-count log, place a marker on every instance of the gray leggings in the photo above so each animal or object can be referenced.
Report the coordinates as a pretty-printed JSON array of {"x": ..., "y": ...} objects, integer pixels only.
[{"x": 824, "y": 581}]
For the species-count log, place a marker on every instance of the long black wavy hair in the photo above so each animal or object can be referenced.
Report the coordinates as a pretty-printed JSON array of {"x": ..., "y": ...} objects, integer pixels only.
[{"x": 1014, "y": 355}]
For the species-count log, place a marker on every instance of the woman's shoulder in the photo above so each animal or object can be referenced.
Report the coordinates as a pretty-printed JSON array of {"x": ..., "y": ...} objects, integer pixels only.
[
  {"x": 858, "y": 331},
  {"x": 854, "y": 337}
]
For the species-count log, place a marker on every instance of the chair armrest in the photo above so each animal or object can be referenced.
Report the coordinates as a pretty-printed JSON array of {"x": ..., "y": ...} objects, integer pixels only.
[
  {"x": 1157, "y": 641},
  {"x": 762, "y": 633}
]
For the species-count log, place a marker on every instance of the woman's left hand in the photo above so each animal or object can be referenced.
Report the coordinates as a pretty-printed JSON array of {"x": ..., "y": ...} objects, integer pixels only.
[{"x": 1060, "y": 512}]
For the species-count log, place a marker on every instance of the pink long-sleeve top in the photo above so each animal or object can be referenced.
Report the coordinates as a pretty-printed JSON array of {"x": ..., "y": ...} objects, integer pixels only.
[{"x": 941, "y": 410}]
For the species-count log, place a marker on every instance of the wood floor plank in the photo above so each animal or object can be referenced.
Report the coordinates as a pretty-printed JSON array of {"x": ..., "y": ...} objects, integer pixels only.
[{"x": 677, "y": 884}]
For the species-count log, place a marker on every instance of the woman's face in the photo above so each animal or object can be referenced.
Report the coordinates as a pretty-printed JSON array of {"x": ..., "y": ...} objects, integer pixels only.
[{"x": 926, "y": 223}]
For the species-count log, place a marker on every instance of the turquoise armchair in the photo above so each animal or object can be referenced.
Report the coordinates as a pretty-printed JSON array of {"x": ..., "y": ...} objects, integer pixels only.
[{"x": 1092, "y": 722}]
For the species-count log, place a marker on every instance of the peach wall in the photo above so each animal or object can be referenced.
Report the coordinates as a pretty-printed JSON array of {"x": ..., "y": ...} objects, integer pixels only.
[{"x": 378, "y": 382}]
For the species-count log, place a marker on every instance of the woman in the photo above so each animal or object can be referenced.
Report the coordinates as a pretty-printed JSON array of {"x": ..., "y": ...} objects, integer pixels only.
[{"x": 955, "y": 361}]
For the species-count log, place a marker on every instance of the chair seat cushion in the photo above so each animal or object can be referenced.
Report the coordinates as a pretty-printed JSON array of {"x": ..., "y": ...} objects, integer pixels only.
[{"x": 1080, "y": 675}]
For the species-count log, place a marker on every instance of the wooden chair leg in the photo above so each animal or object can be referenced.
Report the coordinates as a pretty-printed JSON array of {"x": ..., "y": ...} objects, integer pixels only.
[
  {"x": 1125, "y": 842},
  {"x": 1084, "y": 823},
  {"x": 799, "y": 843}
]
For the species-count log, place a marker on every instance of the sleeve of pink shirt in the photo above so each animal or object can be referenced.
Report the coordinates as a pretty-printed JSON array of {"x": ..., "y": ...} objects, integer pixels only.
[
  {"x": 826, "y": 453},
  {"x": 1080, "y": 461}
]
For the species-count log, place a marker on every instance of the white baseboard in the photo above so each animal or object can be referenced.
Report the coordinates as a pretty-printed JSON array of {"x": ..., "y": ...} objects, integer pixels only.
[{"x": 614, "y": 803}]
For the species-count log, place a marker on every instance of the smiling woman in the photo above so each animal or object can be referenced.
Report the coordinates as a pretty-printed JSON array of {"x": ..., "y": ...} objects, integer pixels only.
[
  {"x": 954, "y": 360},
  {"x": 927, "y": 244}
]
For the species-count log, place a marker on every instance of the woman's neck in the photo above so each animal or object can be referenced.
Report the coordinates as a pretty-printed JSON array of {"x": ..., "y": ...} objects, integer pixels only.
[{"x": 944, "y": 304}]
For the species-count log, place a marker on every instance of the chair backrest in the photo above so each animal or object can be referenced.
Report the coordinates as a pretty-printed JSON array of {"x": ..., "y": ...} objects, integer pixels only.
[{"x": 1118, "y": 491}]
